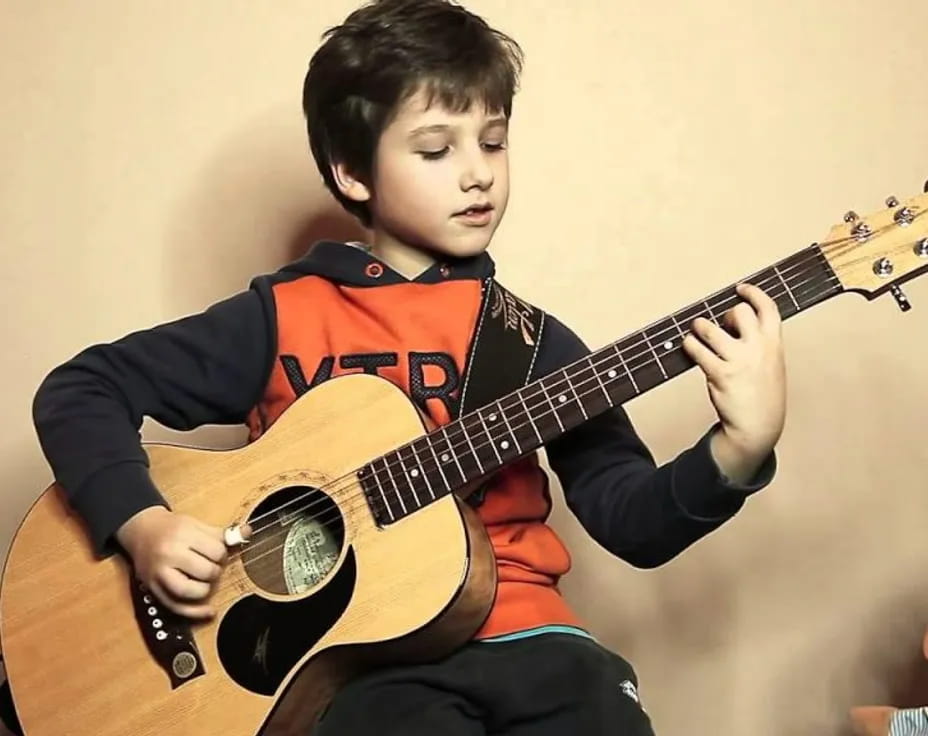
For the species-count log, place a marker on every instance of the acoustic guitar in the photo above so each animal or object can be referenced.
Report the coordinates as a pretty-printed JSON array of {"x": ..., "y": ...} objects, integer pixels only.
[{"x": 362, "y": 551}]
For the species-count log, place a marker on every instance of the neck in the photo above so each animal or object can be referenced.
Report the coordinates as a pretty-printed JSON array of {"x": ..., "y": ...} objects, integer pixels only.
[{"x": 405, "y": 259}]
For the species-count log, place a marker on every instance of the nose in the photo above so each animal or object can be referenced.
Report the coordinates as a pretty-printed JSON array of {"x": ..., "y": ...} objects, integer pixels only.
[{"x": 476, "y": 171}]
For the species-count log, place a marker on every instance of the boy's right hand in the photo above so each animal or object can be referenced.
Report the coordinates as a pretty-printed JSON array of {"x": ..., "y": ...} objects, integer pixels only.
[{"x": 176, "y": 556}]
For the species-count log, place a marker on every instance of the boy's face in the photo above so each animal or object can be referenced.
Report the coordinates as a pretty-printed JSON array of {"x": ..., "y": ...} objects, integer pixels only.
[{"x": 440, "y": 179}]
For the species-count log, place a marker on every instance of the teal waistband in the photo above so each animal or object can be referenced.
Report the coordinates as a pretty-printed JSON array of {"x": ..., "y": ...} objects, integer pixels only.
[{"x": 537, "y": 631}]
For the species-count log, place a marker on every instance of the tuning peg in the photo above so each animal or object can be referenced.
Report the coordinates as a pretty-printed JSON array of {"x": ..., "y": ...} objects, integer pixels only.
[
  {"x": 892, "y": 202},
  {"x": 852, "y": 216}
]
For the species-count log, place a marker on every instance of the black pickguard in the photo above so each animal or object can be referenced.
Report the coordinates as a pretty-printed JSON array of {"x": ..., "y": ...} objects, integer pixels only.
[{"x": 260, "y": 641}]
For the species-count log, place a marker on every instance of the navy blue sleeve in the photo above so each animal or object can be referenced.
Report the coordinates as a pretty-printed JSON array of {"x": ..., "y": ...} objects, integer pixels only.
[
  {"x": 642, "y": 513},
  {"x": 208, "y": 368}
]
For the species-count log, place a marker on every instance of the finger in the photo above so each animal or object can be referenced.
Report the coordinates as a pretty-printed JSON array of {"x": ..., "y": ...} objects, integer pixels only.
[
  {"x": 180, "y": 586},
  {"x": 768, "y": 313},
  {"x": 743, "y": 319},
  {"x": 715, "y": 337},
  {"x": 710, "y": 363},
  {"x": 191, "y": 610},
  {"x": 199, "y": 567},
  {"x": 208, "y": 541}
]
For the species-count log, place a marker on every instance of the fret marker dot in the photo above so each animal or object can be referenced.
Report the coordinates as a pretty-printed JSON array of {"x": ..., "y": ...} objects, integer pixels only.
[
  {"x": 562, "y": 398},
  {"x": 444, "y": 458},
  {"x": 414, "y": 473},
  {"x": 504, "y": 445},
  {"x": 612, "y": 374},
  {"x": 492, "y": 417},
  {"x": 668, "y": 345}
]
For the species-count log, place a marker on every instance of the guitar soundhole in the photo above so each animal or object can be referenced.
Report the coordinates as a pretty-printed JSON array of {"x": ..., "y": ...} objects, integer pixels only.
[{"x": 297, "y": 537}]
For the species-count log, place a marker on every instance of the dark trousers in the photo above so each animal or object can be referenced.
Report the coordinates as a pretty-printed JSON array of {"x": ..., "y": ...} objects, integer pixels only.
[
  {"x": 546, "y": 685},
  {"x": 7, "y": 713}
]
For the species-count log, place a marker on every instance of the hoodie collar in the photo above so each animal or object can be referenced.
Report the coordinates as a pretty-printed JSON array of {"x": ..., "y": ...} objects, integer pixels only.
[{"x": 353, "y": 266}]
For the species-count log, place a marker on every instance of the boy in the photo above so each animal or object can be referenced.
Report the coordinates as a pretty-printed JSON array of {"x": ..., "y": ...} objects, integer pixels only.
[{"x": 408, "y": 104}]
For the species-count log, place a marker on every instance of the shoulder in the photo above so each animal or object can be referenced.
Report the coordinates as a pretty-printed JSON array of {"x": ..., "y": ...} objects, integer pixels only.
[{"x": 559, "y": 346}]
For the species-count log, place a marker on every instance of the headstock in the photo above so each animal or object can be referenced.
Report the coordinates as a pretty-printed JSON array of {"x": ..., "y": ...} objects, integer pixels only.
[{"x": 877, "y": 253}]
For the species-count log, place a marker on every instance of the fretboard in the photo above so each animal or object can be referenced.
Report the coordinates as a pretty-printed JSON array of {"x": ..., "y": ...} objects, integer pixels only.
[{"x": 480, "y": 443}]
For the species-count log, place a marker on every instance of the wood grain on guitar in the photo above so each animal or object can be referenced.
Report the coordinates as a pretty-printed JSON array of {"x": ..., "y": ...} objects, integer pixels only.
[{"x": 361, "y": 551}]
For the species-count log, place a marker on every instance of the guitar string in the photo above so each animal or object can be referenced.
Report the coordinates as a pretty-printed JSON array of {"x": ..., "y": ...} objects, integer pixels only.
[
  {"x": 349, "y": 509},
  {"x": 344, "y": 511},
  {"x": 425, "y": 465},
  {"x": 545, "y": 414},
  {"x": 652, "y": 344},
  {"x": 348, "y": 506},
  {"x": 852, "y": 242}
]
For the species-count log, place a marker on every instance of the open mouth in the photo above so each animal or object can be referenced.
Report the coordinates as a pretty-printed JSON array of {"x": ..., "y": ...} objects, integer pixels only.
[{"x": 476, "y": 210}]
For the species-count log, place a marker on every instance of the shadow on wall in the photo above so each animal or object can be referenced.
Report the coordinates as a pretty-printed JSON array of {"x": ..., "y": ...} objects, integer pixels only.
[
  {"x": 258, "y": 203},
  {"x": 30, "y": 468}
]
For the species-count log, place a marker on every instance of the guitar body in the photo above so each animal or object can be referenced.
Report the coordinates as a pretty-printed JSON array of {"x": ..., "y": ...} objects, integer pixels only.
[{"x": 319, "y": 594}]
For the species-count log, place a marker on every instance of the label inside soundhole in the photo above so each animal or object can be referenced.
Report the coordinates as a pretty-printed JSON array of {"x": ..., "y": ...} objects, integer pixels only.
[{"x": 310, "y": 551}]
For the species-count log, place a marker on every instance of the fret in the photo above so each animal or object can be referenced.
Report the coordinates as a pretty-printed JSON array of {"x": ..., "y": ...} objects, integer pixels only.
[
  {"x": 786, "y": 286},
  {"x": 502, "y": 442},
  {"x": 599, "y": 380},
  {"x": 627, "y": 371},
  {"x": 519, "y": 422},
  {"x": 473, "y": 451},
  {"x": 668, "y": 337},
  {"x": 721, "y": 303},
  {"x": 531, "y": 419},
  {"x": 438, "y": 464},
  {"x": 544, "y": 392},
  {"x": 657, "y": 357},
  {"x": 396, "y": 487},
  {"x": 377, "y": 499},
  {"x": 785, "y": 305},
  {"x": 408, "y": 476},
  {"x": 686, "y": 316},
  {"x": 577, "y": 399},
  {"x": 415, "y": 470},
  {"x": 449, "y": 451},
  {"x": 480, "y": 442},
  {"x": 383, "y": 487},
  {"x": 499, "y": 459},
  {"x": 570, "y": 410},
  {"x": 515, "y": 439},
  {"x": 588, "y": 387},
  {"x": 637, "y": 357},
  {"x": 818, "y": 280},
  {"x": 571, "y": 381},
  {"x": 663, "y": 335},
  {"x": 681, "y": 333}
]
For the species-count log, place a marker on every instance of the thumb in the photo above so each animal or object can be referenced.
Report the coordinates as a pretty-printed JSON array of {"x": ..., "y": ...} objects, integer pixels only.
[{"x": 236, "y": 534}]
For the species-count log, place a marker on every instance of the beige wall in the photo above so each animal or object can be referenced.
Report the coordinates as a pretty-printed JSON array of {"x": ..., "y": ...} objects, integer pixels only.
[{"x": 152, "y": 158}]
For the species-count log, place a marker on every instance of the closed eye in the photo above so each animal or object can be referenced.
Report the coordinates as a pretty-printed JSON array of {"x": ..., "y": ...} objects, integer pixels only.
[{"x": 434, "y": 155}]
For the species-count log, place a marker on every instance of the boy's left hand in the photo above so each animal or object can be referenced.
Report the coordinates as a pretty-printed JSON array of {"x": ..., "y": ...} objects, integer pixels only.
[{"x": 746, "y": 378}]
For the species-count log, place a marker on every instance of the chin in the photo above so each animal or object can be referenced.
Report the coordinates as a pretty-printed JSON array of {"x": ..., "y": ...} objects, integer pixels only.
[{"x": 465, "y": 247}]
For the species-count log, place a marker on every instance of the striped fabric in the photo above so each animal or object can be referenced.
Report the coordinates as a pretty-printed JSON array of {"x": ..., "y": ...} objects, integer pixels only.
[{"x": 909, "y": 722}]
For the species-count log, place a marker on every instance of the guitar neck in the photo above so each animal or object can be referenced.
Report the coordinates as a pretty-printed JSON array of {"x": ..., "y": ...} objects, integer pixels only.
[{"x": 474, "y": 446}]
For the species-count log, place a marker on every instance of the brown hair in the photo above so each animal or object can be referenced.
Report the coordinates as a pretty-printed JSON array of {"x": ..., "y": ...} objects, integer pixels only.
[{"x": 383, "y": 54}]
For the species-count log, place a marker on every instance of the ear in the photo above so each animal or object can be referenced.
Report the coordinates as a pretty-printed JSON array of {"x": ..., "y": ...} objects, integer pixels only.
[{"x": 349, "y": 185}]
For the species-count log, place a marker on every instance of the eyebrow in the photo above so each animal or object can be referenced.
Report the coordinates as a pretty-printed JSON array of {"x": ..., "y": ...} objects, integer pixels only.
[{"x": 496, "y": 122}]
